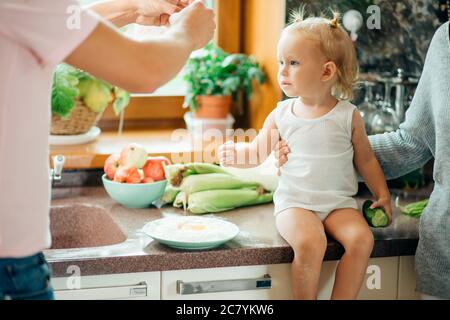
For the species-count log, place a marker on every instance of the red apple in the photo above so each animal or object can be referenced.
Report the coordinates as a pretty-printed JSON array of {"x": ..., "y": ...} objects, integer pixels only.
[
  {"x": 133, "y": 155},
  {"x": 164, "y": 159},
  {"x": 154, "y": 168},
  {"x": 127, "y": 175},
  {"x": 111, "y": 165},
  {"x": 147, "y": 180}
]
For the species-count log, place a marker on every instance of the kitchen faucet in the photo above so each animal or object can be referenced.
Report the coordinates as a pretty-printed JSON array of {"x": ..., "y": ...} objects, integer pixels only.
[{"x": 58, "y": 164}]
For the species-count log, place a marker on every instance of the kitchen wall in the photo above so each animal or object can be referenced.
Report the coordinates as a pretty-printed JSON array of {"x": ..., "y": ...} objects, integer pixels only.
[{"x": 407, "y": 27}]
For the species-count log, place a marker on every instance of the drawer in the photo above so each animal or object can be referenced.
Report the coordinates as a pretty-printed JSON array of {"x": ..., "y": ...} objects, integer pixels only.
[
  {"x": 136, "y": 286},
  {"x": 266, "y": 282}
]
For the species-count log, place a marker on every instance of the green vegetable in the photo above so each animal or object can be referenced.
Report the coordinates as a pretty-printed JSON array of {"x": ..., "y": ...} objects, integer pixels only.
[
  {"x": 207, "y": 188},
  {"x": 413, "y": 209},
  {"x": 121, "y": 101},
  {"x": 214, "y": 181},
  {"x": 64, "y": 90},
  {"x": 175, "y": 173},
  {"x": 180, "y": 201},
  {"x": 96, "y": 94},
  {"x": 222, "y": 200},
  {"x": 376, "y": 218},
  {"x": 170, "y": 194},
  {"x": 70, "y": 83}
]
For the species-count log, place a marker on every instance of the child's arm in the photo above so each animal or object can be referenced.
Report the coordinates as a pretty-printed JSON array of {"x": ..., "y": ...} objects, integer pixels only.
[
  {"x": 368, "y": 166},
  {"x": 249, "y": 155}
]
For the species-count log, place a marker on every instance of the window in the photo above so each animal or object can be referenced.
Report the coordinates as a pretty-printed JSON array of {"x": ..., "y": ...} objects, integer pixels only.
[
  {"x": 163, "y": 108},
  {"x": 175, "y": 87}
]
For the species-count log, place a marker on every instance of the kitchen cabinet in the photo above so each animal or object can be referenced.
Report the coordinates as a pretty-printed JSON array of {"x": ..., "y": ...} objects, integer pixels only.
[
  {"x": 380, "y": 281},
  {"x": 386, "y": 278},
  {"x": 127, "y": 286},
  {"x": 264, "y": 282},
  {"x": 407, "y": 279}
]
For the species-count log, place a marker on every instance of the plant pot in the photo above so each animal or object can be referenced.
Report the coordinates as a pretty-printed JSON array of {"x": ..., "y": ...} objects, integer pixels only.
[
  {"x": 199, "y": 127},
  {"x": 213, "y": 107},
  {"x": 80, "y": 121}
]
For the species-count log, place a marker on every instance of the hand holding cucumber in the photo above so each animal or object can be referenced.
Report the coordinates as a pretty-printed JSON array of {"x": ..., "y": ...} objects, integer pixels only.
[{"x": 378, "y": 214}]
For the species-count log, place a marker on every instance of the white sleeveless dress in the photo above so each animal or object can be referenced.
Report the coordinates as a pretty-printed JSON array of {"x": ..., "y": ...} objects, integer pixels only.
[{"x": 319, "y": 175}]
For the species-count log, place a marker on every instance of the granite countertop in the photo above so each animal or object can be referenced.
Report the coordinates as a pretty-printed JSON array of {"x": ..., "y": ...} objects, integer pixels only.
[{"x": 258, "y": 242}]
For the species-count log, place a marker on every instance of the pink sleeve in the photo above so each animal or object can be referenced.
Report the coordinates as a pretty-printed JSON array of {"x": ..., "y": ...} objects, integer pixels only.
[{"x": 49, "y": 29}]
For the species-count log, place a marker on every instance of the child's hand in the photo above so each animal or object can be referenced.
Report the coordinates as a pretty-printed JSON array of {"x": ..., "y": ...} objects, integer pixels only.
[
  {"x": 227, "y": 153},
  {"x": 385, "y": 203},
  {"x": 281, "y": 152}
]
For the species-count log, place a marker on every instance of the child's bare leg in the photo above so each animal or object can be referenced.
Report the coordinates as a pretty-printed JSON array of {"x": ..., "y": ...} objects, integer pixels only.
[
  {"x": 348, "y": 227},
  {"x": 304, "y": 232}
]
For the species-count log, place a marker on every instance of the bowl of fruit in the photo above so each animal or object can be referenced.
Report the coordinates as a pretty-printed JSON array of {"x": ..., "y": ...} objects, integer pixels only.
[{"x": 133, "y": 179}]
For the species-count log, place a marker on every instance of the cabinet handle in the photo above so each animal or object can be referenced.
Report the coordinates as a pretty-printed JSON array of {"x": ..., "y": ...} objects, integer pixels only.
[
  {"x": 183, "y": 288},
  {"x": 117, "y": 292}
]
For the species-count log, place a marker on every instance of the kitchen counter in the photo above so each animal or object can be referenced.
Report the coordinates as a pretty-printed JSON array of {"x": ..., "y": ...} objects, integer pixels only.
[{"x": 258, "y": 242}]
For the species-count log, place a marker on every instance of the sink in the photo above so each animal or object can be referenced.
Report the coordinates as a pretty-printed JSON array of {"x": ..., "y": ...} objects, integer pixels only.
[{"x": 83, "y": 226}]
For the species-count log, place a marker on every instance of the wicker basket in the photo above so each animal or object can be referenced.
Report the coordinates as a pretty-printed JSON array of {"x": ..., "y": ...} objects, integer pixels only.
[{"x": 81, "y": 120}]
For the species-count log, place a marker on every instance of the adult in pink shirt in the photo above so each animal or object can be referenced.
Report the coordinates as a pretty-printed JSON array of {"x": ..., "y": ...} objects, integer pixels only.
[{"x": 36, "y": 35}]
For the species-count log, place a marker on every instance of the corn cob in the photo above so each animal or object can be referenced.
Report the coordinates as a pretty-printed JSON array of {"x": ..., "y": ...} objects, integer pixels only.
[
  {"x": 180, "y": 201},
  {"x": 223, "y": 200},
  {"x": 177, "y": 172},
  {"x": 170, "y": 194},
  {"x": 214, "y": 181}
]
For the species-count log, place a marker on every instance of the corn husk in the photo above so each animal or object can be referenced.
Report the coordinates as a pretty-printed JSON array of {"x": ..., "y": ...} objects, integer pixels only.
[
  {"x": 222, "y": 200},
  {"x": 177, "y": 172},
  {"x": 180, "y": 201},
  {"x": 170, "y": 194},
  {"x": 214, "y": 181}
]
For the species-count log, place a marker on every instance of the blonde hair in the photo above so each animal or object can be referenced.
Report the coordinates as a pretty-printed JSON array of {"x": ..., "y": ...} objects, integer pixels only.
[{"x": 335, "y": 44}]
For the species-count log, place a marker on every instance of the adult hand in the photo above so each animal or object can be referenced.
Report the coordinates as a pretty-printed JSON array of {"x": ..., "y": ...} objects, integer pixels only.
[
  {"x": 281, "y": 154},
  {"x": 197, "y": 23},
  {"x": 157, "y": 12}
]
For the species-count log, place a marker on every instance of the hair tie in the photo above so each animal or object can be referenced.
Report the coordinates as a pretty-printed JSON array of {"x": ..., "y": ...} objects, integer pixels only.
[{"x": 334, "y": 23}]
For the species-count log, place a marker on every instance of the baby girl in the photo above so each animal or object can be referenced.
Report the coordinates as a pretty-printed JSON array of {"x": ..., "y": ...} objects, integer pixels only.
[{"x": 328, "y": 143}]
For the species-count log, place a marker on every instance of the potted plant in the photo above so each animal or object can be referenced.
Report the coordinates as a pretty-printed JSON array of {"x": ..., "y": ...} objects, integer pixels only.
[
  {"x": 215, "y": 78},
  {"x": 79, "y": 100}
]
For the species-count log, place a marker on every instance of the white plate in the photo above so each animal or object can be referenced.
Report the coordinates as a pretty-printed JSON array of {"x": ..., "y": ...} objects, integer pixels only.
[
  {"x": 191, "y": 232},
  {"x": 89, "y": 136}
]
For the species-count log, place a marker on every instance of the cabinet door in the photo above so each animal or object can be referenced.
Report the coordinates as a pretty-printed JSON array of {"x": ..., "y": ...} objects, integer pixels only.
[
  {"x": 380, "y": 281},
  {"x": 266, "y": 282},
  {"x": 326, "y": 280},
  {"x": 407, "y": 279},
  {"x": 139, "y": 286}
]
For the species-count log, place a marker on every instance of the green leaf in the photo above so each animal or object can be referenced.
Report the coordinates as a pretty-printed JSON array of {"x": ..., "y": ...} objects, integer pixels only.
[
  {"x": 211, "y": 71},
  {"x": 70, "y": 83},
  {"x": 64, "y": 90}
]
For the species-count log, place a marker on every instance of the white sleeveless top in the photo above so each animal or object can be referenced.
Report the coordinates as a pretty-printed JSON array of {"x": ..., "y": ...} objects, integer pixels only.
[{"x": 319, "y": 174}]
